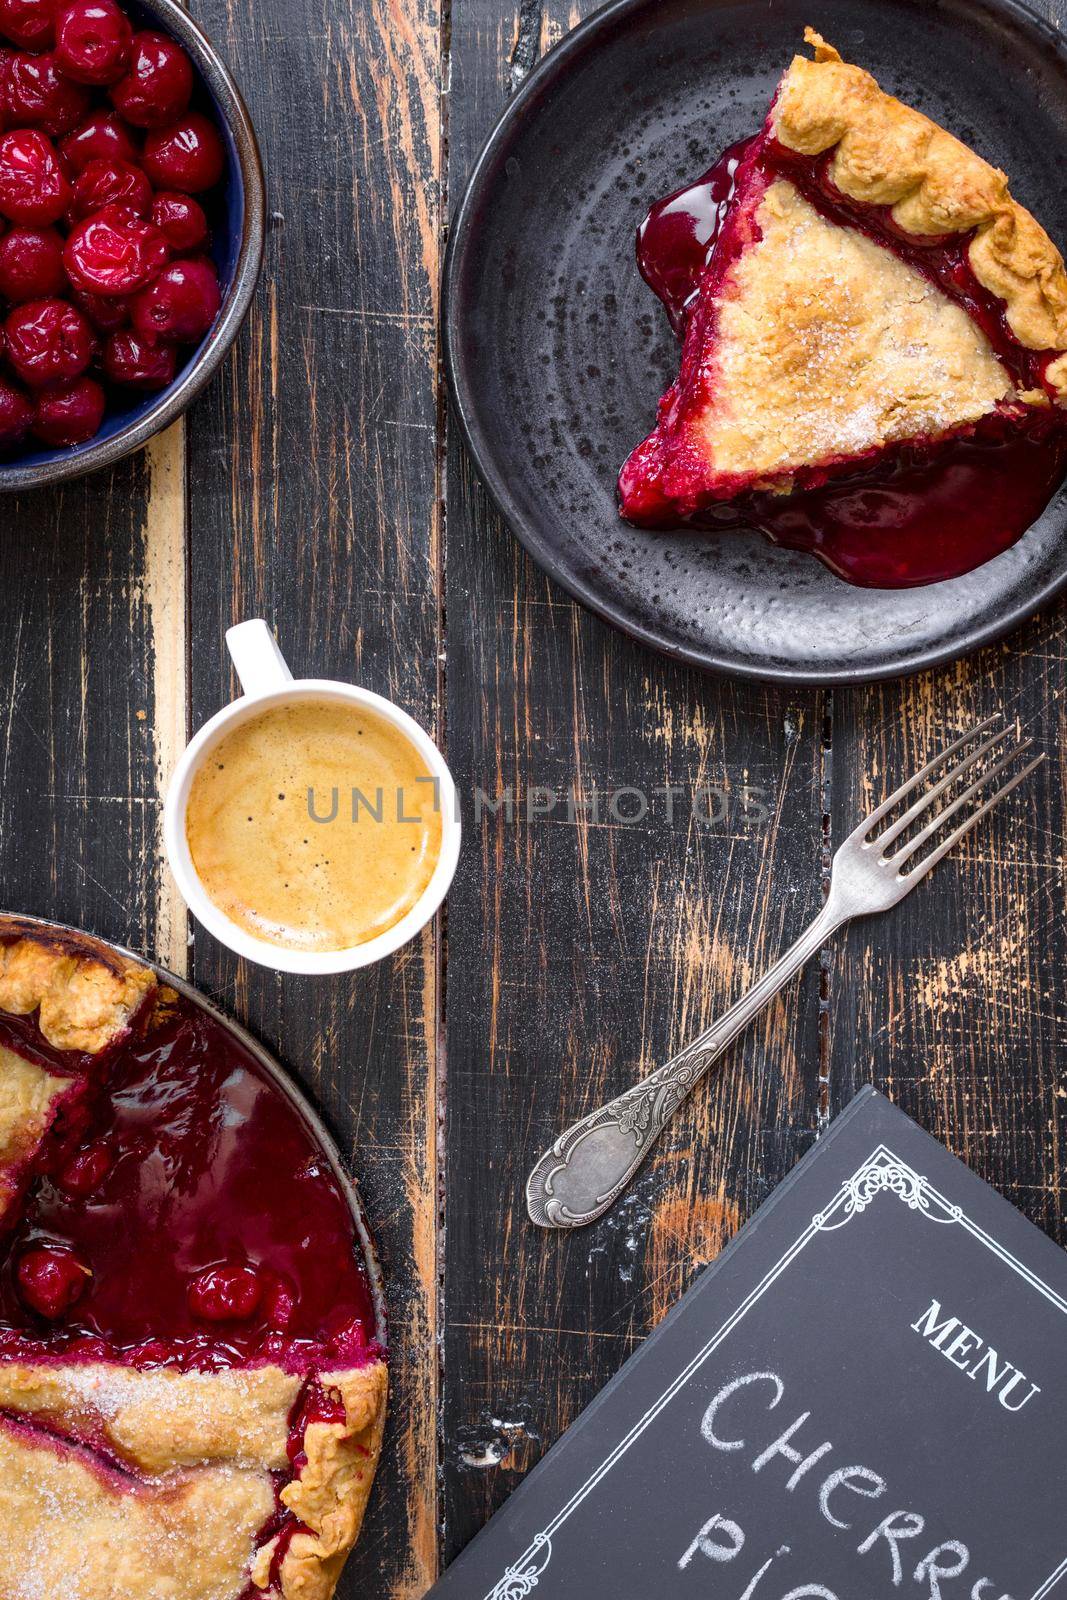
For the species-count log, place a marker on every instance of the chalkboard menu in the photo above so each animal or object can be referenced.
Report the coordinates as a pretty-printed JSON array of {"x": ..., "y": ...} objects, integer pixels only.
[{"x": 865, "y": 1395}]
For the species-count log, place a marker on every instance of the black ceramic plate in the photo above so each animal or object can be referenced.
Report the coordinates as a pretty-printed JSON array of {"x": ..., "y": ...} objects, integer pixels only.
[{"x": 557, "y": 352}]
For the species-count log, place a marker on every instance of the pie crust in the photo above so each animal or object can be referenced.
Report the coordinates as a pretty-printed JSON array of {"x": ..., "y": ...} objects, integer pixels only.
[
  {"x": 887, "y": 154},
  {"x": 85, "y": 994},
  {"x": 120, "y": 1481},
  {"x": 827, "y": 343},
  {"x": 72, "y": 1528},
  {"x": 872, "y": 288}
]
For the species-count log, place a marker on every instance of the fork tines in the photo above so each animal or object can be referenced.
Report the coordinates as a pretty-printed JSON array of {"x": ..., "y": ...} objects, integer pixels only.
[{"x": 962, "y": 784}]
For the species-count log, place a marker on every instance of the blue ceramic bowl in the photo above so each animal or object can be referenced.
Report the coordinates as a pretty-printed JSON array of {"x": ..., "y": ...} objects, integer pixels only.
[{"x": 235, "y": 212}]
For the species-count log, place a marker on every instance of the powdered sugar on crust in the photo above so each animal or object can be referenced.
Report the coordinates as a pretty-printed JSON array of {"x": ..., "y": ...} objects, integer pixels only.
[
  {"x": 74, "y": 1532},
  {"x": 176, "y": 1476},
  {"x": 887, "y": 154},
  {"x": 161, "y": 1419},
  {"x": 827, "y": 345}
]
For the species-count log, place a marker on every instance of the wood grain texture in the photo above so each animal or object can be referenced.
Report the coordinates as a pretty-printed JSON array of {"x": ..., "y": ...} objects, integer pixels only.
[
  {"x": 953, "y": 1004},
  {"x": 319, "y": 483},
  {"x": 165, "y": 589},
  {"x": 312, "y": 501},
  {"x": 79, "y": 797},
  {"x": 583, "y": 951}
]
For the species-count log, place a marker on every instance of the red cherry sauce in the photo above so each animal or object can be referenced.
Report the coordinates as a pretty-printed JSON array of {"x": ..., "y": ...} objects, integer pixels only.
[
  {"x": 198, "y": 1163},
  {"x": 916, "y": 515},
  {"x": 315, "y": 1404},
  {"x": 677, "y": 239}
]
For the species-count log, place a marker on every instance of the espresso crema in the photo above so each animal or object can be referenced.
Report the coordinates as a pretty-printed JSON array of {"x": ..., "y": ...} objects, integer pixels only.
[{"x": 315, "y": 825}]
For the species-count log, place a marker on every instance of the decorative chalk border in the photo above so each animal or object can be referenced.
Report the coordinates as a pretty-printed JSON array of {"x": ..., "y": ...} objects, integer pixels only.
[{"x": 882, "y": 1173}]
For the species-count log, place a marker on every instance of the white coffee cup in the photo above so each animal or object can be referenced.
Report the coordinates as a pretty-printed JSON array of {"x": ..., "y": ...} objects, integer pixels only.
[{"x": 266, "y": 682}]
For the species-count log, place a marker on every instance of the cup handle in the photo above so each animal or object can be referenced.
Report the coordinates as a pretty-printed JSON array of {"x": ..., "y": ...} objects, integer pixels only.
[{"x": 257, "y": 660}]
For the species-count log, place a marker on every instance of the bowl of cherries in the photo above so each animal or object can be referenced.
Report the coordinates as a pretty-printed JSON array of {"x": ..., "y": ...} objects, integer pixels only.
[{"x": 131, "y": 228}]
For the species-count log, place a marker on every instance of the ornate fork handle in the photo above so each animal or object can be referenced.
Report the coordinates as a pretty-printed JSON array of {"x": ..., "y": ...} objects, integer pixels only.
[{"x": 592, "y": 1162}]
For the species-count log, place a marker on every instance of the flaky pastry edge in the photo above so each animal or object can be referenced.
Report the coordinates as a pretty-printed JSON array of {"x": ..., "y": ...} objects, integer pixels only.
[
  {"x": 330, "y": 1495},
  {"x": 86, "y": 993},
  {"x": 888, "y": 154}
]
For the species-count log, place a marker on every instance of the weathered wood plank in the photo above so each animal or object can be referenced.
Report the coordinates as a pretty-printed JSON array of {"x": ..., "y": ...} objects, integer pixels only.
[
  {"x": 79, "y": 798},
  {"x": 953, "y": 1002},
  {"x": 313, "y": 488},
  {"x": 581, "y": 952},
  {"x": 165, "y": 581}
]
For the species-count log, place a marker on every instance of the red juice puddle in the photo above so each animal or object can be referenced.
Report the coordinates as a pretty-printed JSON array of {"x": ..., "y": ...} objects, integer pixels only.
[
  {"x": 912, "y": 522},
  {"x": 918, "y": 515},
  {"x": 206, "y": 1164},
  {"x": 677, "y": 238}
]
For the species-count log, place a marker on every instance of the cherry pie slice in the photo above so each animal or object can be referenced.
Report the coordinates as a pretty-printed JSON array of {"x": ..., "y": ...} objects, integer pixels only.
[
  {"x": 861, "y": 298},
  {"x": 192, "y": 1395}
]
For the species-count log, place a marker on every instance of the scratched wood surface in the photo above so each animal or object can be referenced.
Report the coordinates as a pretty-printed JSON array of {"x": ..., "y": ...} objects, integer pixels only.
[
  {"x": 313, "y": 496},
  {"x": 320, "y": 484}
]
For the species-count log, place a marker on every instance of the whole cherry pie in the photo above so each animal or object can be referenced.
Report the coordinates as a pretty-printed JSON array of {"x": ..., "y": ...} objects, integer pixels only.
[
  {"x": 875, "y": 340},
  {"x": 191, "y": 1391}
]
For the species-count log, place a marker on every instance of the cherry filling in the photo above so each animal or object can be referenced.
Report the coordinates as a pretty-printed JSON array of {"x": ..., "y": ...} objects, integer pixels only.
[
  {"x": 180, "y": 1213},
  {"x": 914, "y": 514},
  {"x": 677, "y": 240},
  {"x": 316, "y": 1403},
  {"x": 50, "y": 1280}
]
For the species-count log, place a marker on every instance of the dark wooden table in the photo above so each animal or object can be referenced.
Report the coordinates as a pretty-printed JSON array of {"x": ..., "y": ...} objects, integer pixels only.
[{"x": 320, "y": 484}]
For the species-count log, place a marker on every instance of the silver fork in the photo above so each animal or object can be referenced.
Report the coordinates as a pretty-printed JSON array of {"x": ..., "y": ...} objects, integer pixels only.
[{"x": 592, "y": 1162}]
